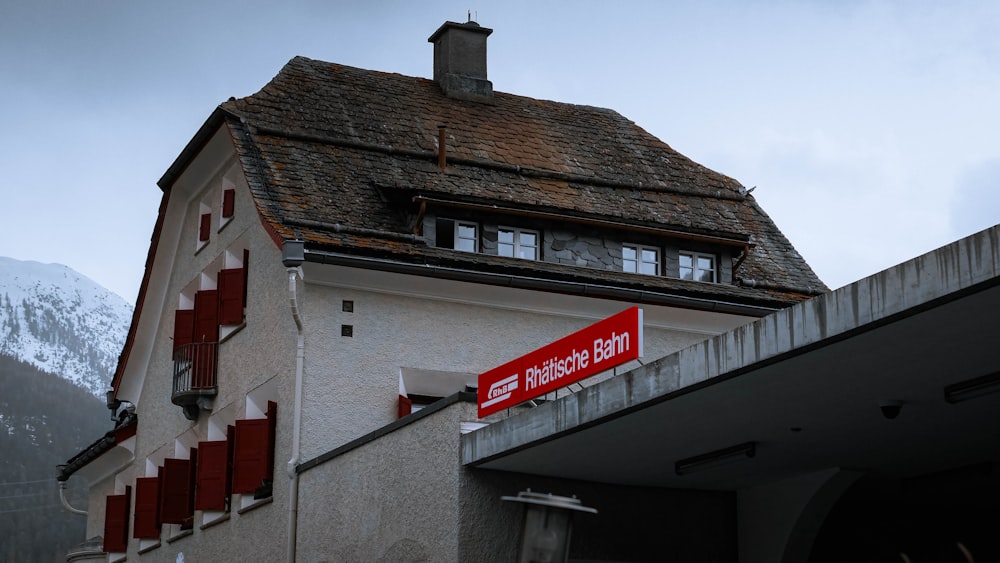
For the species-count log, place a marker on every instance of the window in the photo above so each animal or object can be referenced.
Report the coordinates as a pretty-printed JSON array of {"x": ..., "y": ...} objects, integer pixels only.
[
  {"x": 466, "y": 238},
  {"x": 205, "y": 227},
  {"x": 213, "y": 475},
  {"x": 116, "y": 512},
  {"x": 460, "y": 235},
  {"x": 517, "y": 243},
  {"x": 228, "y": 203},
  {"x": 147, "y": 508},
  {"x": 697, "y": 266},
  {"x": 177, "y": 489},
  {"x": 639, "y": 259},
  {"x": 253, "y": 454},
  {"x": 232, "y": 285}
]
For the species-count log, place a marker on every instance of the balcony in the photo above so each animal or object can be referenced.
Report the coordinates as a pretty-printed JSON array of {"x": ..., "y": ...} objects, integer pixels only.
[{"x": 195, "y": 367}]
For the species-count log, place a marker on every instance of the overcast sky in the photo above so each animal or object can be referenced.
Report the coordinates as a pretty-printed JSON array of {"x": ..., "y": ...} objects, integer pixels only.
[{"x": 870, "y": 129}]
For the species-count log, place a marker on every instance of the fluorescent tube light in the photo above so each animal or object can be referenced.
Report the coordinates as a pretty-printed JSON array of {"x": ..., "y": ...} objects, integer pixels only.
[
  {"x": 972, "y": 388},
  {"x": 715, "y": 458}
]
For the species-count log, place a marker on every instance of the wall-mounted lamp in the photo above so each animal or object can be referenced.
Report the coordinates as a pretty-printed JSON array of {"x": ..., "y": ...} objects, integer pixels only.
[
  {"x": 715, "y": 458},
  {"x": 293, "y": 253},
  {"x": 113, "y": 404},
  {"x": 548, "y": 525},
  {"x": 972, "y": 388}
]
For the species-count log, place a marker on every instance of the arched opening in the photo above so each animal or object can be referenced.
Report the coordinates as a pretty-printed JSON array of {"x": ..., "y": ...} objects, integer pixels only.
[{"x": 950, "y": 516}]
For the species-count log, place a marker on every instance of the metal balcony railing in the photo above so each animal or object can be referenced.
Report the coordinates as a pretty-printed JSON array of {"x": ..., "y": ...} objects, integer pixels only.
[{"x": 195, "y": 367}]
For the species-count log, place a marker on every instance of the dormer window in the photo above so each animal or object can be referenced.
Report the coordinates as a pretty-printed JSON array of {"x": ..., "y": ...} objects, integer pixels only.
[
  {"x": 460, "y": 235},
  {"x": 698, "y": 266},
  {"x": 639, "y": 259},
  {"x": 517, "y": 243}
]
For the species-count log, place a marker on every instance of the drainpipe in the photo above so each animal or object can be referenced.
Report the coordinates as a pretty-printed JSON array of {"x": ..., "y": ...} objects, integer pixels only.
[
  {"x": 293, "y": 256},
  {"x": 65, "y": 502}
]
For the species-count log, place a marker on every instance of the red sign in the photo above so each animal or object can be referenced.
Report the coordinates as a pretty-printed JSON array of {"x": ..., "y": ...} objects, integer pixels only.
[{"x": 599, "y": 347}]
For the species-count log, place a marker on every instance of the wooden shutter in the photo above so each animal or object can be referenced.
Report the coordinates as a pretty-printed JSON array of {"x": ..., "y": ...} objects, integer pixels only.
[
  {"x": 183, "y": 327},
  {"x": 253, "y": 452},
  {"x": 212, "y": 476},
  {"x": 405, "y": 406},
  {"x": 116, "y": 522},
  {"x": 231, "y": 296},
  {"x": 206, "y": 316},
  {"x": 175, "y": 491},
  {"x": 228, "y": 203},
  {"x": 205, "y": 227},
  {"x": 192, "y": 481},
  {"x": 147, "y": 508}
]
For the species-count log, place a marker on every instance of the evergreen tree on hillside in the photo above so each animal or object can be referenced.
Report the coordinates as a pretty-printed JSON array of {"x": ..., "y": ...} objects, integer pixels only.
[{"x": 44, "y": 421}]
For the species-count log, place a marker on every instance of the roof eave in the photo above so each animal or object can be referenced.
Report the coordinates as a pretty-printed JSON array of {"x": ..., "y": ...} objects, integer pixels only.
[{"x": 193, "y": 148}]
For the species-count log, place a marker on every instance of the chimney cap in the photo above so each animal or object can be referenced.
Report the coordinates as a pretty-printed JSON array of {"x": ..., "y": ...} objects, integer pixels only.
[{"x": 467, "y": 26}]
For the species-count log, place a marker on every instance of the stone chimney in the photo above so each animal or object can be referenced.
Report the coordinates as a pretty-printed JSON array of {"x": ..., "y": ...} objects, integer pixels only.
[{"x": 460, "y": 61}]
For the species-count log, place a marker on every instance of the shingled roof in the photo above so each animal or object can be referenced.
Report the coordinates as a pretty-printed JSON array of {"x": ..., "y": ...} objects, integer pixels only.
[{"x": 331, "y": 151}]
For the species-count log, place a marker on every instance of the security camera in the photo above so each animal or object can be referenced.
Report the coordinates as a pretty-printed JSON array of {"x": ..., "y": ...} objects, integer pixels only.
[{"x": 891, "y": 409}]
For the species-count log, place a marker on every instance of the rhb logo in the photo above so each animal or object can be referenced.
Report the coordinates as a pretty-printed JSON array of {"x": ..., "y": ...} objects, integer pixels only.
[{"x": 501, "y": 390}]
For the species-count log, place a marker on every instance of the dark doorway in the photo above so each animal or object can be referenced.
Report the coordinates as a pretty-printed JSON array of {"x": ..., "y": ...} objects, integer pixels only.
[{"x": 951, "y": 516}]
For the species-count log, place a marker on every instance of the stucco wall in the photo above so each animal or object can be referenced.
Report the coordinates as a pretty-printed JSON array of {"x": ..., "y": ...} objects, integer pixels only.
[
  {"x": 352, "y": 383},
  {"x": 260, "y": 355},
  {"x": 403, "y": 496},
  {"x": 394, "y": 498}
]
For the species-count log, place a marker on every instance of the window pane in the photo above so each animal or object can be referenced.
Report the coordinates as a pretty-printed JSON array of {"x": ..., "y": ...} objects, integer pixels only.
[
  {"x": 685, "y": 261},
  {"x": 705, "y": 263},
  {"x": 629, "y": 253},
  {"x": 649, "y": 268},
  {"x": 705, "y": 276},
  {"x": 649, "y": 256},
  {"x": 528, "y": 239},
  {"x": 527, "y": 252},
  {"x": 628, "y": 266},
  {"x": 505, "y": 236},
  {"x": 687, "y": 273},
  {"x": 466, "y": 238},
  {"x": 505, "y": 249}
]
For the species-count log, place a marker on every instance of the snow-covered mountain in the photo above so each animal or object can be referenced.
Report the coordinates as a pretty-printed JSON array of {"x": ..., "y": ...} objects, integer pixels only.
[{"x": 61, "y": 322}]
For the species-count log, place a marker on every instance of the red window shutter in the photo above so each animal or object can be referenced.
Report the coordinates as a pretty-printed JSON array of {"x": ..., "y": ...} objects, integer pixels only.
[
  {"x": 212, "y": 474},
  {"x": 206, "y": 316},
  {"x": 246, "y": 273},
  {"x": 116, "y": 522},
  {"x": 183, "y": 327},
  {"x": 147, "y": 508},
  {"x": 249, "y": 455},
  {"x": 405, "y": 406},
  {"x": 253, "y": 452},
  {"x": 228, "y": 203},
  {"x": 231, "y": 296},
  {"x": 272, "y": 432},
  {"x": 192, "y": 481},
  {"x": 175, "y": 489},
  {"x": 205, "y": 227}
]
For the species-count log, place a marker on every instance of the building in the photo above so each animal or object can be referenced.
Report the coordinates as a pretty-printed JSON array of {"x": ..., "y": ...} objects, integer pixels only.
[{"x": 338, "y": 256}]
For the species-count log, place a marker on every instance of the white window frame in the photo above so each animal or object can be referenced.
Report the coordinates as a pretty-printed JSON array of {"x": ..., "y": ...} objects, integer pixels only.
[
  {"x": 639, "y": 260},
  {"x": 695, "y": 269},
  {"x": 518, "y": 246},
  {"x": 475, "y": 236}
]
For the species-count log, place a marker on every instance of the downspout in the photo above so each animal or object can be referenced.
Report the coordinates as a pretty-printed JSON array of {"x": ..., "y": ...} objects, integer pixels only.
[
  {"x": 295, "y": 274},
  {"x": 65, "y": 502}
]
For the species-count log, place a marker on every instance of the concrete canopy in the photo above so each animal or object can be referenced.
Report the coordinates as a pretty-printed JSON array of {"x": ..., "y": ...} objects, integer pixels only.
[{"x": 804, "y": 384}]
